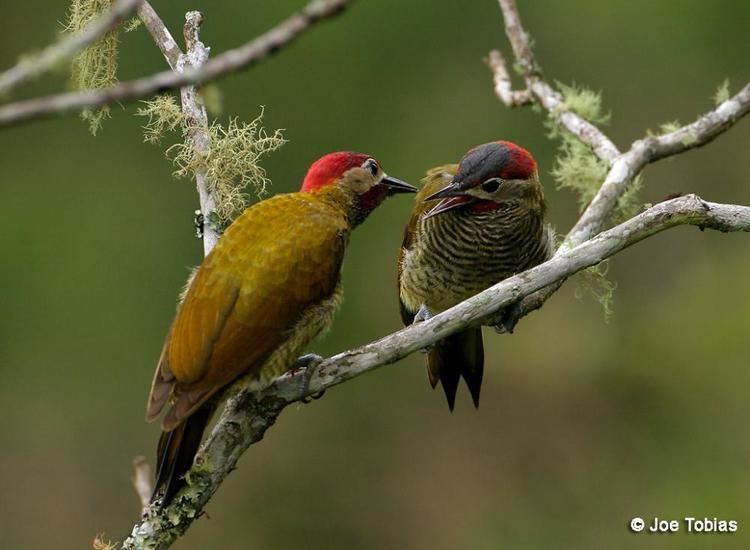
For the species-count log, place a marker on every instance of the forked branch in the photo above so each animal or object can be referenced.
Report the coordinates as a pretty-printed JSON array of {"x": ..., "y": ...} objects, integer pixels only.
[{"x": 247, "y": 416}]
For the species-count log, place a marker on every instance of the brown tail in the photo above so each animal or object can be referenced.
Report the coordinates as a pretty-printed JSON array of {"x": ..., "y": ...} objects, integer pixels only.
[
  {"x": 458, "y": 355},
  {"x": 175, "y": 453}
]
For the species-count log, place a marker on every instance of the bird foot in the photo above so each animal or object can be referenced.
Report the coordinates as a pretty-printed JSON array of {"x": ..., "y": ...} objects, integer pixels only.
[
  {"x": 424, "y": 314},
  {"x": 308, "y": 363},
  {"x": 507, "y": 319}
]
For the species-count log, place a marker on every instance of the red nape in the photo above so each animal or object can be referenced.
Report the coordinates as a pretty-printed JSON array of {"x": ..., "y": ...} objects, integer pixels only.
[
  {"x": 522, "y": 164},
  {"x": 326, "y": 170}
]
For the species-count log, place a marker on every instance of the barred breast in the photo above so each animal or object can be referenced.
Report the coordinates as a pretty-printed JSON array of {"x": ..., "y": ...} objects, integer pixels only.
[{"x": 458, "y": 254}]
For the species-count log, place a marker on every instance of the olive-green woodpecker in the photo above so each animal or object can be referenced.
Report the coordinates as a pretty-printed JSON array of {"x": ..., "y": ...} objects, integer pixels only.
[
  {"x": 271, "y": 284},
  {"x": 488, "y": 225}
]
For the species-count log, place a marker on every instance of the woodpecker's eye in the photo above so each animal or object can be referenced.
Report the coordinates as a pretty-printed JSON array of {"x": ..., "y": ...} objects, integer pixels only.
[
  {"x": 490, "y": 186},
  {"x": 371, "y": 166}
]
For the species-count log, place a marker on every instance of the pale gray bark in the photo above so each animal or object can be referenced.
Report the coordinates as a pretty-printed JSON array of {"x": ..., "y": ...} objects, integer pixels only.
[
  {"x": 67, "y": 47},
  {"x": 195, "y": 125},
  {"x": 228, "y": 62},
  {"x": 623, "y": 167},
  {"x": 247, "y": 416}
]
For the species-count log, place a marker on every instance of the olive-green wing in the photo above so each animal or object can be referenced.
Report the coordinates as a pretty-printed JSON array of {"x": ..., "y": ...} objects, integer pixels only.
[{"x": 280, "y": 257}]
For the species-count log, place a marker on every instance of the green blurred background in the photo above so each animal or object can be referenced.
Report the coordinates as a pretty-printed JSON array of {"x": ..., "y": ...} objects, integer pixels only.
[{"x": 584, "y": 424}]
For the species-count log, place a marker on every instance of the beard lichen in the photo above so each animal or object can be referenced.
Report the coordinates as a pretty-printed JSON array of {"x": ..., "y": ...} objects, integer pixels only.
[
  {"x": 233, "y": 163},
  {"x": 231, "y": 166},
  {"x": 722, "y": 93},
  {"x": 594, "y": 281},
  {"x": 95, "y": 66},
  {"x": 164, "y": 116},
  {"x": 577, "y": 168}
]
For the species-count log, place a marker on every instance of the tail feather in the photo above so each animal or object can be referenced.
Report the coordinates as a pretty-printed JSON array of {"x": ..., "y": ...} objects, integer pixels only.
[
  {"x": 458, "y": 355},
  {"x": 175, "y": 453}
]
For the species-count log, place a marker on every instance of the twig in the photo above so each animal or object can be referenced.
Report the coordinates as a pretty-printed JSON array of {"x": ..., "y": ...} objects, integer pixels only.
[
  {"x": 551, "y": 99},
  {"x": 142, "y": 481},
  {"x": 623, "y": 167},
  {"x": 67, "y": 47},
  {"x": 246, "y": 417},
  {"x": 160, "y": 33},
  {"x": 218, "y": 67},
  {"x": 504, "y": 85},
  {"x": 651, "y": 149},
  {"x": 196, "y": 125}
]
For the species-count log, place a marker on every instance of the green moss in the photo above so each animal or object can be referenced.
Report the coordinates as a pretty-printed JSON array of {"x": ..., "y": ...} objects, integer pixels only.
[
  {"x": 722, "y": 92},
  {"x": 233, "y": 163},
  {"x": 670, "y": 126},
  {"x": 577, "y": 168},
  {"x": 164, "y": 115},
  {"x": 689, "y": 140},
  {"x": 594, "y": 281},
  {"x": 95, "y": 66},
  {"x": 212, "y": 98},
  {"x": 132, "y": 24},
  {"x": 584, "y": 102},
  {"x": 629, "y": 203}
]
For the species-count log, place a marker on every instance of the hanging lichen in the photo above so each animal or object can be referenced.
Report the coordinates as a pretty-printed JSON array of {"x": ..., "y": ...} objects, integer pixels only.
[
  {"x": 233, "y": 163},
  {"x": 95, "y": 66},
  {"x": 577, "y": 168}
]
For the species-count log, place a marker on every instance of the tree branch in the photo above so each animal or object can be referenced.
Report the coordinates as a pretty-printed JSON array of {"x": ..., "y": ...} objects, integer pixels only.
[
  {"x": 196, "y": 125},
  {"x": 228, "y": 62},
  {"x": 160, "y": 33},
  {"x": 623, "y": 167},
  {"x": 67, "y": 47},
  {"x": 648, "y": 150},
  {"x": 247, "y": 417}
]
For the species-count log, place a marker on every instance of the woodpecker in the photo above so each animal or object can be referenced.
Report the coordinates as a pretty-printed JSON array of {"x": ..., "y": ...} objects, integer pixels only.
[
  {"x": 269, "y": 286},
  {"x": 489, "y": 224}
]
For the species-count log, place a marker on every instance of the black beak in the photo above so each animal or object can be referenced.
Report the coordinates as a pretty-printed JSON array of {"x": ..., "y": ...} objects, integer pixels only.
[
  {"x": 451, "y": 197},
  {"x": 395, "y": 185},
  {"x": 455, "y": 189}
]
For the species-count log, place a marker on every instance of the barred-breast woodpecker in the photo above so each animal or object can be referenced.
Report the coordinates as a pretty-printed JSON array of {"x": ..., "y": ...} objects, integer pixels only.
[
  {"x": 270, "y": 285},
  {"x": 489, "y": 224}
]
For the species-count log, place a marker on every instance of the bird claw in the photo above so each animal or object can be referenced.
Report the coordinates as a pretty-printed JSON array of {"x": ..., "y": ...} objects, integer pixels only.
[
  {"x": 424, "y": 314},
  {"x": 507, "y": 319},
  {"x": 308, "y": 363}
]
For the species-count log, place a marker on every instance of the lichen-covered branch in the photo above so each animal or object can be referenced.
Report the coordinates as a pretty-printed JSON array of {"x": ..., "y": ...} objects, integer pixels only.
[
  {"x": 228, "y": 62},
  {"x": 195, "y": 120},
  {"x": 196, "y": 125},
  {"x": 650, "y": 149},
  {"x": 503, "y": 83},
  {"x": 548, "y": 97},
  {"x": 67, "y": 47},
  {"x": 247, "y": 417},
  {"x": 623, "y": 167}
]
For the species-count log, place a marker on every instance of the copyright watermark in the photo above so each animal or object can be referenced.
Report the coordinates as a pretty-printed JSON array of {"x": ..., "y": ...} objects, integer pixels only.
[{"x": 704, "y": 525}]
